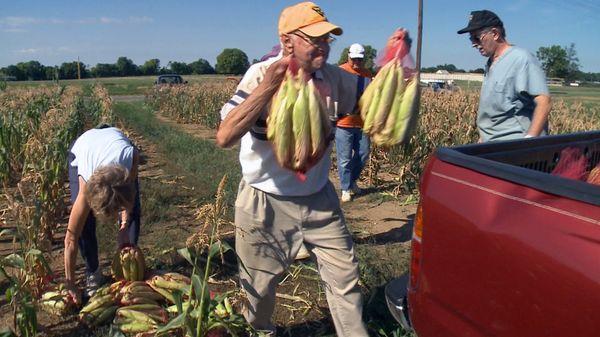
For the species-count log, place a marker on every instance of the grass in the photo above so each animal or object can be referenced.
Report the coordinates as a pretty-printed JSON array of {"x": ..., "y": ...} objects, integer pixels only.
[
  {"x": 136, "y": 85},
  {"x": 201, "y": 161}
]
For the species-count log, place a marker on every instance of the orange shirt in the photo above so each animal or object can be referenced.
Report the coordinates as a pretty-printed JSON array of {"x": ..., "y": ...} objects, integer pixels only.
[{"x": 352, "y": 121}]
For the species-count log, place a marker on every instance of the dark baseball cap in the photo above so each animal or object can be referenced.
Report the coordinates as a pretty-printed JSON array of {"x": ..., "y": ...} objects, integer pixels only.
[{"x": 481, "y": 19}]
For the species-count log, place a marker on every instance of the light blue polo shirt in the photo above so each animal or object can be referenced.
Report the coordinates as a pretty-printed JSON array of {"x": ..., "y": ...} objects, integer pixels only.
[{"x": 506, "y": 102}]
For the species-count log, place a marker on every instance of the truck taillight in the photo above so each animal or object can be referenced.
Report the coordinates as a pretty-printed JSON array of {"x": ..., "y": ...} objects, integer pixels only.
[{"x": 415, "y": 260}]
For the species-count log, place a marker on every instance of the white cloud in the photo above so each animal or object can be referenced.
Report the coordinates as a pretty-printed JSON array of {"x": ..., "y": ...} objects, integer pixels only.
[
  {"x": 106, "y": 20},
  {"x": 140, "y": 19},
  {"x": 19, "y": 21},
  {"x": 28, "y": 51},
  {"x": 65, "y": 49},
  {"x": 14, "y": 30},
  {"x": 14, "y": 23},
  {"x": 86, "y": 21}
]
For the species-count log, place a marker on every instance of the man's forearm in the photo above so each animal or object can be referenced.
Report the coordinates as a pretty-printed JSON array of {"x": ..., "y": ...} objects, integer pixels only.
[
  {"x": 540, "y": 115},
  {"x": 70, "y": 258},
  {"x": 241, "y": 118}
]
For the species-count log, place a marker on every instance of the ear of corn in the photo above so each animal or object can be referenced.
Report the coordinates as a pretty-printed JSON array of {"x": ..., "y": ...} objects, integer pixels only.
[
  {"x": 388, "y": 93},
  {"x": 301, "y": 129},
  {"x": 129, "y": 264},
  {"x": 407, "y": 114}
]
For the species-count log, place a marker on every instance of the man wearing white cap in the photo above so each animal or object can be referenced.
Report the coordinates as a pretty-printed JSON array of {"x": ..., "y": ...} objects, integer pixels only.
[{"x": 352, "y": 145}]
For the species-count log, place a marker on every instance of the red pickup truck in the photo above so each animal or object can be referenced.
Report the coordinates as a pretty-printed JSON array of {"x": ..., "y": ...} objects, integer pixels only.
[{"x": 501, "y": 247}]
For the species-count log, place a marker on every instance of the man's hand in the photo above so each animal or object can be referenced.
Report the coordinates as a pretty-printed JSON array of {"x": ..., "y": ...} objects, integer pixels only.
[
  {"x": 242, "y": 117},
  {"x": 73, "y": 292},
  {"x": 123, "y": 237},
  {"x": 276, "y": 72}
]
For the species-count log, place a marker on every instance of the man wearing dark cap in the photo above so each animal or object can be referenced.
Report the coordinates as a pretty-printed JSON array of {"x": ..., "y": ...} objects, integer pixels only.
[
  {"x": 514, "y": 101},
  {"x": 275, "y": 211}
]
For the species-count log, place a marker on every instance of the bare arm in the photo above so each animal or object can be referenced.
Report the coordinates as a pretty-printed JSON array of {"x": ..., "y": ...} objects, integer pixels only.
[
  {"x": 77, "y": 218},
  {"x": 241, "y": 118},
  {"x": 540, "y": 115},
  {"x": 125, "y": 215}
]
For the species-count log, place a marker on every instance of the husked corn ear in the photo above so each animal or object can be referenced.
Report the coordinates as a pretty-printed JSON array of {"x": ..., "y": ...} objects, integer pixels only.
[
  {"x": 369, "y": 118},
  {"x": 277, "y": 102},
  {"x": 315, "y": 108},
  {"x": 388, "y": 92},
  {"x": 301, "y": 129},
  {"x": 386, "y": 136},
  {"x": 177, "y": 277},
  {"x": 406, "y": 117},
  {"x": 116, "y": 268},
  {"x": 106, "y": 315},
  {"x": 136, "y": 326},
  {"x": 97, "y": 302}
]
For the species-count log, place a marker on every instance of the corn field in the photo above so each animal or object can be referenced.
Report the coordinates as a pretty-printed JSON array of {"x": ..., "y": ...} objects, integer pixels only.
[
  {"x": 37, "y": 128},
  {"x": 197, "y": 103},
  {"x": 446, "y": 119}
]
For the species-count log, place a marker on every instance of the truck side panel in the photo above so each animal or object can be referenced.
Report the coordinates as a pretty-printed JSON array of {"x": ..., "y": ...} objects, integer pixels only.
[{"x": 514, "y": 261}]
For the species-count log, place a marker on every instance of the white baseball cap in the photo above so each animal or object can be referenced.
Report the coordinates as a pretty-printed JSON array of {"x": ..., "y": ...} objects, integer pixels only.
[{"x": 356, "y": 51}]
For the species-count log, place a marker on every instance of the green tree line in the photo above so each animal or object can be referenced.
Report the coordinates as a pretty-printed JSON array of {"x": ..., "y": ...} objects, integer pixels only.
[{"x": 231, "y": 61}]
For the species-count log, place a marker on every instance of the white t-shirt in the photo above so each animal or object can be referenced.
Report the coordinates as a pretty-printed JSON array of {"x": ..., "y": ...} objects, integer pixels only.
[
  {"x": 99, "y": 147},
  {"x": 260, "y": 168}
]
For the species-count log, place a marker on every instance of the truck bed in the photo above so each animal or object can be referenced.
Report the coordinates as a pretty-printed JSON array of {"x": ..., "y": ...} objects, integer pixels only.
[{"x": 529, "y": 162}]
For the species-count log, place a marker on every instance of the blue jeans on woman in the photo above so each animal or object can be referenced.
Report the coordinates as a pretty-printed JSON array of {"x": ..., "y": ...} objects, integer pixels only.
[
  {"x": 88, "y": 243},
  {"x": 352, "y": 151}
]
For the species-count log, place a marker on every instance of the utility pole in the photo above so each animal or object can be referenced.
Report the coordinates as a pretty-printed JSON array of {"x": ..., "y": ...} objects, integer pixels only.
[
  {"x": 419, "y": 38},
  {"x": 78, "y": 69}
]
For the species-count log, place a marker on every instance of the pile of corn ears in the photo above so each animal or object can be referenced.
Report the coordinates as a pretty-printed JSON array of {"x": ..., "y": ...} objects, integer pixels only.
[{"x": 298, "y": 124}]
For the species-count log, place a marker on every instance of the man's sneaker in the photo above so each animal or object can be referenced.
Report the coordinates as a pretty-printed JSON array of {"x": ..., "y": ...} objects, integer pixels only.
[
  {"x": 302, "y": 253},
  {"x": 346, "y": 196},
  {"x": 354, "y": 189},
  {"x": 93, "y": 282}
]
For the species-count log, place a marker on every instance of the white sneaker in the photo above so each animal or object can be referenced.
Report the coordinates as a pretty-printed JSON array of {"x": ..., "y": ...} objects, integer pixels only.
[
  {"x": 93, "y": 282},
  {"x": 302, "y": 253},
  {"x": 346, "y": 196}
]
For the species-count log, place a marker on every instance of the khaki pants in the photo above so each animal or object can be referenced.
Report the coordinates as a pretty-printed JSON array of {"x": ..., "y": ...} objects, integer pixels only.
[{"x": 269, "y": 232}]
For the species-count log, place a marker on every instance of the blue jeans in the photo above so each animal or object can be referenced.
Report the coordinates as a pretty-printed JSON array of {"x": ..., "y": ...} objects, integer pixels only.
[
  {"x": 352, "y": 151},
  {"x": 88, "y": 243}
]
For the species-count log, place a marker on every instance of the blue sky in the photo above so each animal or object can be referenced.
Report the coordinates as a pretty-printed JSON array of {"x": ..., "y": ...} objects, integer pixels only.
[{"x": 100, "y": 31}]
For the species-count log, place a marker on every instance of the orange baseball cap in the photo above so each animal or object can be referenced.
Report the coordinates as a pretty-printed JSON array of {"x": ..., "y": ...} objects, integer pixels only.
[{"x": 307, "y": 18}]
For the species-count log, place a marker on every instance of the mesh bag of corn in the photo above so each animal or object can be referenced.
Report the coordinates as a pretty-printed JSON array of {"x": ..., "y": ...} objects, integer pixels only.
[
  {"x": 298, "y": 124},
  {"x": 389, "y": 106}
]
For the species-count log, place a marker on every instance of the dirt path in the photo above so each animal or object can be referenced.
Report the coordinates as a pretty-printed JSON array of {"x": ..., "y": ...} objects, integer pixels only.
[
  {"x": 383, "y": 218},
  {"x": 128, "y": 98}
]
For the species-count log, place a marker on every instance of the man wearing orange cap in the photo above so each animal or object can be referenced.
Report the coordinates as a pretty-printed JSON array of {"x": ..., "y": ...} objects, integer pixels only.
[{"x": 275, "y": 212}]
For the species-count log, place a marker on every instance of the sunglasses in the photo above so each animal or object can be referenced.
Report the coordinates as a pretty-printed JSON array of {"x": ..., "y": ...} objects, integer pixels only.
[
  {"x": 316, "y": 41},
  {"x": 476, "y": 38}
]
